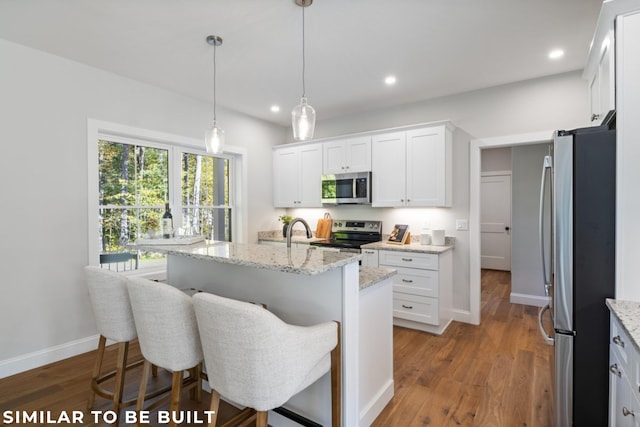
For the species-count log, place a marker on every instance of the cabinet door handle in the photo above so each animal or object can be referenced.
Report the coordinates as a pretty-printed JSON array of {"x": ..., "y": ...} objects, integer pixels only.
[
  {"x": 410, "y": 307},
  {"x": 627, "y": 412},
  {"x": 618, "y": 340},
  {"x": 614, "y": 370},
  {"x": 407, "y": 259},
  {"x": 407, "y": 280}
]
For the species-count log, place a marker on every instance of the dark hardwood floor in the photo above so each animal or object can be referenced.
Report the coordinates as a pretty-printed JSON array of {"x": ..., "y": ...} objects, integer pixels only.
[{"x": 497, "y": 374}]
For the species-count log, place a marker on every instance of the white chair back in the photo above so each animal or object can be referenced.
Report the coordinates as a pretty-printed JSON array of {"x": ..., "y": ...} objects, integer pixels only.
[
  {"x": 166, "y": 324},
  {"x": 110, "y": 302},
  {"x": 254, "y": 358}
]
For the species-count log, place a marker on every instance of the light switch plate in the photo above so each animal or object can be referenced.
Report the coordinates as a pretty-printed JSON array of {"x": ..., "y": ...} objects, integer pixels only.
[{"x": 462, "y": 224}]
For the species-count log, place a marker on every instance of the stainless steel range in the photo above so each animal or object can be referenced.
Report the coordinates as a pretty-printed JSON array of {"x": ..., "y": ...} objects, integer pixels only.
[{"x": 349, "y": 235}]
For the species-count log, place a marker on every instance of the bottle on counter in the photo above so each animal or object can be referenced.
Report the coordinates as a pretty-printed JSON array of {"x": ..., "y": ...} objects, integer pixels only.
[{"x": 167, "y": 222}]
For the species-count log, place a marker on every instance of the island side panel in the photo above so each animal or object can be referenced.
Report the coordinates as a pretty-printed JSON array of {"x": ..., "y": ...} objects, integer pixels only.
[
  {"x": 376, "y": 386},
  {"x": 297, "y": 299}
]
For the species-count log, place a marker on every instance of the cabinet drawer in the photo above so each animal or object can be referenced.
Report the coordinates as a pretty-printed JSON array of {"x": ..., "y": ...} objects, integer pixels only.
[
  {"x": 417, "y": 282},
  {"x": 621, "y": 344},
  {"x": 416, "y": 308},
  {"x": 409, "y": 260}
]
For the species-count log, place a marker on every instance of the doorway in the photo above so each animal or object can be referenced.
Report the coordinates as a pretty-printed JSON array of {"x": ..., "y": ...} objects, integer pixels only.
[
  {"x": 476, "y": 146},
  {"x": 495, "y": 221}
]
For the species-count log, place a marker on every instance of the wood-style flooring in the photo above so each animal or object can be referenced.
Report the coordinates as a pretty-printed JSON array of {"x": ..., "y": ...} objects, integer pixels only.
[{"x": 497, "y": 374}]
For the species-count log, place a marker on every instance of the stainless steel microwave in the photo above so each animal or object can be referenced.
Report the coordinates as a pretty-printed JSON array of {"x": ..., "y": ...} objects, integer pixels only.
[{"x": 346, "y": 188}]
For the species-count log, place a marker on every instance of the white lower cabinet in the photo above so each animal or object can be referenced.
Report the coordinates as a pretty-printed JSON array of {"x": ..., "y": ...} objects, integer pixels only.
[
  {"x": 624, "y": 370},
  {"x": 422, "y": 296},
  {"x": 370, "y": 257}
]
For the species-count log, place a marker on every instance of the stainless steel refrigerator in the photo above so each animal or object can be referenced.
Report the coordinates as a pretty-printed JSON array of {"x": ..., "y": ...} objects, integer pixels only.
[{"x": 577, "y": 242}]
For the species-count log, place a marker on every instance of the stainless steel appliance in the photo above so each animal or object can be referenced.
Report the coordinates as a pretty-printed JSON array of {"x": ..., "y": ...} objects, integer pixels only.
[
  {"x": 577, "y": 241},
  {"x": 346, "y": 188},
  {"x": 349, "y": 235}
]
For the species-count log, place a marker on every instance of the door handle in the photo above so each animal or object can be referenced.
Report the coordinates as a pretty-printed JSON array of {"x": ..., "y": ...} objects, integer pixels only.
[{"x": 547, "y": 338}]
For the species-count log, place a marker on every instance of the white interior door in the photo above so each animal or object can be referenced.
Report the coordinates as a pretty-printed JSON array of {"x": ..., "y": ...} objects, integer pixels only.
[{"x": 495, "y": 222}]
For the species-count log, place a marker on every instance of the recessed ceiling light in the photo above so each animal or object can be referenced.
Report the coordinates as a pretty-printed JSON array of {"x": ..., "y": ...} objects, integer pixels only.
[
  {"x": 275, "y": 109},
  {"x": 390, "y": 80},
  {"x": 556, "y": 53}
]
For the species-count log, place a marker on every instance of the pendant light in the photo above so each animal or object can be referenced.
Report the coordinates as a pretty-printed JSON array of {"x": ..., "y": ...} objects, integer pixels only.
[
  {"x": 214, "y": 137},
  {"x": 303, "y": 116}
]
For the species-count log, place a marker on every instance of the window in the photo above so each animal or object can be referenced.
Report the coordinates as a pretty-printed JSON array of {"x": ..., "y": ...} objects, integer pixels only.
[
  {"x": 137, "y": 177},
  {"x": 205, "y": 196},
  {"x": 133, "y": 188}
]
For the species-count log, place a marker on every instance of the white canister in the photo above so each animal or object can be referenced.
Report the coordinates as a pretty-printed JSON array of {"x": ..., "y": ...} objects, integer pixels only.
[
  {"x": 425, "y": 237},
  {"x": 437, "y": 237}
]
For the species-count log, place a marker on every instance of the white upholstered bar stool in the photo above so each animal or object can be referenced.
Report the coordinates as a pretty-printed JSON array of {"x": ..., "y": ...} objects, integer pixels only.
[
  {"x": 168, "y": 336},
  {"x": 114, "y": 319},
  {"x": 256, "y": 360}
]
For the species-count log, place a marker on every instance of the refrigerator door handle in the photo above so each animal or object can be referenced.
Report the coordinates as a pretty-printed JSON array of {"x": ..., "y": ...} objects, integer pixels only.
[
  {"x": 547, "y": 338},
  {"x": 547, "y": 280}
]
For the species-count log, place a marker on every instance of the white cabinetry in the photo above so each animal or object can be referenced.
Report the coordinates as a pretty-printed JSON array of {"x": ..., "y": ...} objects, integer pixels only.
[
  {"x": 413, "y": 167},
  {"x": 602, "y": 80},
  {"x": 370, "y": 257},
  {"x": 624, "y": 394},
  {"x": 296, "y": 176},
  {"x": 422, "y": 296},
  {"x": 347, "y": 155}
]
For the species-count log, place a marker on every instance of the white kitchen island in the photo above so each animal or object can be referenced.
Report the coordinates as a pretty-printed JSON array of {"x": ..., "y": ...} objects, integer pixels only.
[{"x": 305, "y": 287}]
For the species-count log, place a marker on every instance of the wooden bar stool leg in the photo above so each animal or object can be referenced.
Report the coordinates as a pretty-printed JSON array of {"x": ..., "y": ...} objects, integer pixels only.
[
  {"x": 196, "y": 391},
  {"x": 213, "y": 406},
  {"x": 143, "y": 385},
  {"x": 176, "y": 389},
  {"x": 121, "y": 367},
  {"x": 336, "y": 383},
  {"x": 97, "y": 367},
  {"x": 261, "y": 418}
]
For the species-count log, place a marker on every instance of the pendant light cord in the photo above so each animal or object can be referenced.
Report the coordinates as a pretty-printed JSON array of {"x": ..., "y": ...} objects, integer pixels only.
[
  {"x": 214, "y": 83},
  {"x": 303, "y": 62}
]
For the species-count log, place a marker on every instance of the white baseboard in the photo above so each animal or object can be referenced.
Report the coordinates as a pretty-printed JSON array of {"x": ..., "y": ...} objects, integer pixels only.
[
  {"x": 39, "y": 358},
  {"x": 461, "y": 315},
  {"x": 370, "y": 412},
  {"x": 527, "y": 299}
]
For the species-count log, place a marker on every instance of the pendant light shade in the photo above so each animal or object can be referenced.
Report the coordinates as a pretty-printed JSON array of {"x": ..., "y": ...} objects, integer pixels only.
[
  {"x": 214, "y": 139},
  {"x": 303, "y": 116},
  {"x": 214, "y": 136},
  {"x": 303, "y": 121}
]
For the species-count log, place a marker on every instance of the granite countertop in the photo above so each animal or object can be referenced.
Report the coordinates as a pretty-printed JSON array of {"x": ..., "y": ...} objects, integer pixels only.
[
  {"x": 298, "y": 236},
  {"x": 369, "y": 276},
  {"x": 413, "y": 247},
  {"x": 628, "y": 313},
  {"x": 291, "y": 260}
]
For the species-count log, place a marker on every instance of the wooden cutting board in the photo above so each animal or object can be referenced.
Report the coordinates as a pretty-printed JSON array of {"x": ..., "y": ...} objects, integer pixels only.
[{"x": 323, "y": 228}]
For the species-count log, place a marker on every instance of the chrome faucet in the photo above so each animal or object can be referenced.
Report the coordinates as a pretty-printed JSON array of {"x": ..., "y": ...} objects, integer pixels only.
[{"x": 290, "y": 227}]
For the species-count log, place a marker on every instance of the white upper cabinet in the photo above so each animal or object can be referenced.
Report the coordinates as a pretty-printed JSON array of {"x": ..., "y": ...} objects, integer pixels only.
[
  {"x": 296, "y": 176},
  {"x": 602, "y": 79},
  {"x": 347, "y": 155},
  {"x": 412, "y": 168}
]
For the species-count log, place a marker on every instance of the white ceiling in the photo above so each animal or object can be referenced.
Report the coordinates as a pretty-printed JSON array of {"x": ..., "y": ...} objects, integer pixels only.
[{"x": 434, "y": 47}]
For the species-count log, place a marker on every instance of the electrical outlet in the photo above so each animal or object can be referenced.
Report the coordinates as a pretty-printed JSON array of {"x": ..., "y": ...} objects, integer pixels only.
[{"x": 462, "y": 224}]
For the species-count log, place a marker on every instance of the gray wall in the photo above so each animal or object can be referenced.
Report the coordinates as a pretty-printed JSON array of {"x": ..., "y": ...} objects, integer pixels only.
[
  {"x": 527, "y": 285},
  {"x": 45, "y": 103},
  {"x": 495, "y": 159}
]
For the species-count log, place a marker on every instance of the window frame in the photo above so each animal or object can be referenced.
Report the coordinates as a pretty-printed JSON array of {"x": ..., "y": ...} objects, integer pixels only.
[{"x": 176, "y": 145}]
